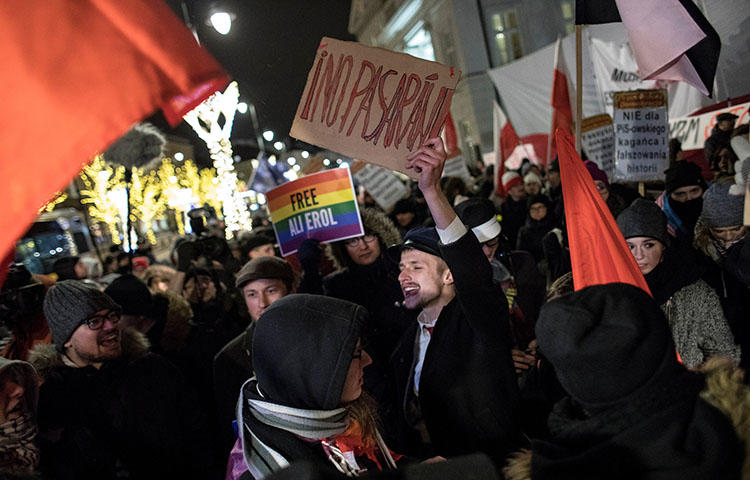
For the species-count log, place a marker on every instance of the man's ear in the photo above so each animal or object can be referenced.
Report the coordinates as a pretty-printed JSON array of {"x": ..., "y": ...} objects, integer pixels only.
[{"x": 447, "y": 277}]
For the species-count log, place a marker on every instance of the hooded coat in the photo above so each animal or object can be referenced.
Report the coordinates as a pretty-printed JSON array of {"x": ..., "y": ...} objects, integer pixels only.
[{"x": 134, "y": 416}]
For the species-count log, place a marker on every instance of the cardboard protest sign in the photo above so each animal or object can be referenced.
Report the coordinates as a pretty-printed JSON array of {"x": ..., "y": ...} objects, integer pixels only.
[
  {"x": 386, "y": 189},
  {"x": 641, "y": 135},
  {"x": 320, "y": 206},
  {"x": 373, "y": 104},
  {"x": 598, "y": 140},
  {"x": 693, "y": 131}
]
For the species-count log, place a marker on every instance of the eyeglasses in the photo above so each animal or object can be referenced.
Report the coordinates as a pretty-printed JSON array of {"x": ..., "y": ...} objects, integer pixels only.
[
  {"x": 96, "y": 322},
  {"x": 367, "y": 238}
]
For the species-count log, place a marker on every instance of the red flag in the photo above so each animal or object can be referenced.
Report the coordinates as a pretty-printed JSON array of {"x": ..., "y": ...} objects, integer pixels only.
[
  {"x": 75, "y": 77},
  {"x": 505, "y": 141},
  {"x": 450, "y": 138},
  {"x": 598, "y": 252},
  {"x": 562, "y": 114}
]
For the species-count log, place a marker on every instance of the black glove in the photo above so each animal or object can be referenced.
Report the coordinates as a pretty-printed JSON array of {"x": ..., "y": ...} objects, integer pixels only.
[
  {"x": 308, "y": 254},
  {"x": 186, "y": 253}
]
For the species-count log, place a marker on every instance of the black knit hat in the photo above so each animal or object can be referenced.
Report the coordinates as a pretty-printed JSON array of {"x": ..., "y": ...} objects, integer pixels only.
[
  {"x": 538, "y": 198},
  {"x": 65, "y": 268},
  {"x": 302, "y": 349},
  {"x": 132, "y": 295},
  {"x": 68, "y": 303},
  {"x": 683, "y": 174},
  {"x": 479, "y": 215},
  {"x": 643, "y": 218},
  {"x": 265, "y": 267},
  {"x": 606, "y": 342}
]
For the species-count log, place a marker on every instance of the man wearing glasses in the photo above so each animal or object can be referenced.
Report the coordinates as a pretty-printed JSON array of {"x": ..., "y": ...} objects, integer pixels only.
[{"x": 109, "y": 408}]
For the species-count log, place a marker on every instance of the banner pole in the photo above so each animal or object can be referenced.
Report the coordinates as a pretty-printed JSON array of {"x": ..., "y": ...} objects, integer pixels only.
[{"x": 579, "y": 87}]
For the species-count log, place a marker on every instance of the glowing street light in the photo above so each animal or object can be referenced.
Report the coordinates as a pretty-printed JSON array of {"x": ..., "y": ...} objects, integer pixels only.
[
  {"x": 268, "y": 135},
  {"x": 222, "y": 22}
]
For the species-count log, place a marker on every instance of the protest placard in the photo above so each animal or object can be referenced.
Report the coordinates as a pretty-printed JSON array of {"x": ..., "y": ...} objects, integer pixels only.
[
  {"x": 456, "y": 167},
  {"x": 320, "y": 206},
  {"x": 693, "y": 131},
  {"x": 598, "y": 140},
  {"x": 641, "y": 135},
  {"x": 373, "y": 104},
  {"x": 384, "y": 187}
]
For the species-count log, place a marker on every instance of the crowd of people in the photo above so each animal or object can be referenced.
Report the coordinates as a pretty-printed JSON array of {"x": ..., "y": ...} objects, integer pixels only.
[{"x": 450, "y": 327}]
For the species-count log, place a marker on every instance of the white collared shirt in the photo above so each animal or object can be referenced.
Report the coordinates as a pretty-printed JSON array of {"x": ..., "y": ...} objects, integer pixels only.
[{"x": 423, "y": 340}]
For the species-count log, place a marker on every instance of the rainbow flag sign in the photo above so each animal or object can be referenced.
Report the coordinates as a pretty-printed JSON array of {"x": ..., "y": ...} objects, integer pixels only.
[{"x": 320, "y": 206}]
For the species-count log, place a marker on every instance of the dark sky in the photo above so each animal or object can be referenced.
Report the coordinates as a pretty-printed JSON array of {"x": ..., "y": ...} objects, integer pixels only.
[{"x": 268, "y": 52}]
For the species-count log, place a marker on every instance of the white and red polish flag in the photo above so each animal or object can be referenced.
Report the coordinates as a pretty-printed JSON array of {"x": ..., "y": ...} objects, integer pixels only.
[
  {"x": 505, "y": 140},
  {"x": 562, "y": 113}
]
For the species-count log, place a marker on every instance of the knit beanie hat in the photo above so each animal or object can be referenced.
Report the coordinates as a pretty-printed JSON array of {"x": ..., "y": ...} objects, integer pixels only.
[
  {"x": 479, "y": 215},
  {"x": 68, "y": 303},
  {"x": 643, "y": 218},
  {"x": 720, "y": 208},
  {"x": 538, "y": 198},
  {"x": 683, "y": 174},
  {"x": 510, "y": 180},
  {"x": 606, "y": 342},
  {"x": 132, "y": 295},
  {"x": 532, "y": 177},
  {"x": 265, "y": 267},
  {"x": 596, "y": 172}
]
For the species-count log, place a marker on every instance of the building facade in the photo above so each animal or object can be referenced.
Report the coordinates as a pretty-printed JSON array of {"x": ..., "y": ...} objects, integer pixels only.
[{"x": 472, "y": 35}]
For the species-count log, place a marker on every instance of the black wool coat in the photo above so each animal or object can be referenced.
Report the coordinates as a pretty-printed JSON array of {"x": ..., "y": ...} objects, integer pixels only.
[{"x": 468, "y": 393}]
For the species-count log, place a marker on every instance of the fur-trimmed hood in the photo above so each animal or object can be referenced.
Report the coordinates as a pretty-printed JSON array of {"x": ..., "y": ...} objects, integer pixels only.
[
  {"x": 724, "y": 390},
  {"x": 45, "y": 358},
  {"x": 374, "y": 221}
]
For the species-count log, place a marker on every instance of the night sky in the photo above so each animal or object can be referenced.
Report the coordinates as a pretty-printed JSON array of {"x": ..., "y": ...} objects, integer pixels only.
[{"x": 268, "y": 52}]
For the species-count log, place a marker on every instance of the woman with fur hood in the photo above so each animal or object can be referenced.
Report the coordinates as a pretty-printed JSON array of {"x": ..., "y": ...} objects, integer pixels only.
[
  {"x": 632, "y": 410},
  {"x": 673, "y": 273},
  {"x": 306, "y": 400},
  {"x": 723, "y": 239}
]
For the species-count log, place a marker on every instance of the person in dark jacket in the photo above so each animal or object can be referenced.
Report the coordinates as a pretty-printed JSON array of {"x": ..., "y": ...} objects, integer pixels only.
[
  {"x": 69, "y": 268},
  {"x": 632, "y": 410},
  {"x": 722, "y": 238},
  {"x": 19, "y": 393},
  {"x": 306, "y": 400},
  {"x": 513, "y": 209},
  {"x": 538, "y": 224},
  {"x": 454, "y": 379},
  {"x": 263, "y": 281},
  {"x": 108, "y": 408},
  {"x": 682, "y": 200},
  {"x": 720, "y": 134}
]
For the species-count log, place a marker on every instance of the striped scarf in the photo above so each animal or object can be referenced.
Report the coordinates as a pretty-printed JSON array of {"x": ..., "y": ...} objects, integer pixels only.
[
  {"x": 19, "y": 454},
  {"x": 318, "y": 425}
]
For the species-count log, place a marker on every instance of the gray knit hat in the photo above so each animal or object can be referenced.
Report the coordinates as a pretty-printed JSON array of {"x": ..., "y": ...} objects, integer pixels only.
[
  {"x": 643, "y": 218},
  {"x": 720, "y": 208},
  {"x": 68, "y": 303}
]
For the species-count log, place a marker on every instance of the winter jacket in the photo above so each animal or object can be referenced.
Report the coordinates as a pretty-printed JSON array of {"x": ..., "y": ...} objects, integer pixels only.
[
  {"x": 513, "y": 217},
  {"x": 531, "y": 235},
  {"x": 134, "y": 416},
  {"x": 695, "y": 316},
  {"x": 468, "y": 395},
  {"x": 696, "y": 431}
]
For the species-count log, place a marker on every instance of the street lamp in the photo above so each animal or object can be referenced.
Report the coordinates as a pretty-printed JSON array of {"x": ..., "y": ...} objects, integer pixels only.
[{"x": 221, "y": 21}]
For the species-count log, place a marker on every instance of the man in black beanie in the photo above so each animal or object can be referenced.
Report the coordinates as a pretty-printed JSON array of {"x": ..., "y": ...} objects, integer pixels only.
[
  {"x": 683, "y": 199},
  {"x": 108, "y": 408},
  {"x": 633, "y": 410}
]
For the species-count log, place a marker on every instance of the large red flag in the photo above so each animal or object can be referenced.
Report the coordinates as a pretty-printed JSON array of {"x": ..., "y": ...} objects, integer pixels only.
[
  {"x": 598, "y": 252},
  {"x": 76, "y": 75},
  {"x": 562, "y": 114},
  {"x": 505, "y": 141}
]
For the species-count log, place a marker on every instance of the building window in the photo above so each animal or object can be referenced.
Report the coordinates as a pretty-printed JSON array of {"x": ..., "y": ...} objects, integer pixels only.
[
  {"x": 568, "y": 14},
  {"x": 418, "y": 42},
  {"x": 506, "y": 39}
]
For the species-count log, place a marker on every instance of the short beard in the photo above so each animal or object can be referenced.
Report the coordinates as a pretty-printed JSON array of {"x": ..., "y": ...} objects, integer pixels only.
[{"x": 364, "y": 410}]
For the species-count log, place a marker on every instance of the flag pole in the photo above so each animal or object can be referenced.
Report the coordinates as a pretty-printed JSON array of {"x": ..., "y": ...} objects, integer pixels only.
[{"x": 579, "y": 87}]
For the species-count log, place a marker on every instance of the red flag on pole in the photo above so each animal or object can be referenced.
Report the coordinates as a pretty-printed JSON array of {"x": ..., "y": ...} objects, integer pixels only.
[
  {"x": 562, "y": 113},
  {"x": 450, "y": 138},
  {"x": 75, "y": 77},
  {"x": 598, "y": 252},
  {"x": 505, "y": 140}
]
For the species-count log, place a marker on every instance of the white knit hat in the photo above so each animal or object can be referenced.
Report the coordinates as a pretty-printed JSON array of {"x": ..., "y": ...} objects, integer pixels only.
[{"x": 510, "y": 180}]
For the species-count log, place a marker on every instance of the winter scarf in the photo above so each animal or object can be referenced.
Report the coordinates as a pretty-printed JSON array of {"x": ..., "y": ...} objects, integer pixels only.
[
  {"x": 19, "y": 455},
  {"x": 309, "y": 425},
  {"x": 678, "y": 269}
]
